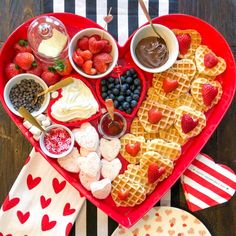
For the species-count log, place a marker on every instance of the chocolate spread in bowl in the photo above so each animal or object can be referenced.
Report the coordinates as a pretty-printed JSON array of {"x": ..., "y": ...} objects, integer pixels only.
[{"x": 152, "y": 52}]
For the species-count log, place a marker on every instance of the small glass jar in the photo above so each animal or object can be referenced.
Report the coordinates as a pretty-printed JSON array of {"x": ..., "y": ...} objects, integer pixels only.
[
  {"x": 48, "y": 38},
  {"x": 105, "y": 127}
]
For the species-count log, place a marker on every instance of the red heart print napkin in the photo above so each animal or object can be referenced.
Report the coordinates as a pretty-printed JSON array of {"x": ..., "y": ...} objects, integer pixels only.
[
  {"x": 207, "y": 183},
  {"x": 40, "y": 202}
]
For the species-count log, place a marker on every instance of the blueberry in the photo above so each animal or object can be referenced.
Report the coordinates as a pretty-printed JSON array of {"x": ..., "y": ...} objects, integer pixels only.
[
  {"x": 124, "y": 87},
  {"x": 116, "y": 103},
  {"x": 104, "y": 88},
  {"x": 121, "y": 108},
  {"x": 134, "y": 75},
  {"x": 122, "y": 93},
  {"x": 139, "y": 87},
  {"x": 117, "y": 86},
  {"x": 136, "y": 97},
  {"x": 129, "y": 80},
  {"x": 137, "y": 91},
  {"x": 117, "y": 81},
  {"x": 132, "y": 71},
  {"x": 111, "y": 86},
  {"x": 128, "y": 73},
  {"x": 128, "y": 99},
  {"x": 129, "y": 110},
  {"x": 132, "y": 87},
  {"x": 122, "y": 78},
  {"x": 103, "y": 82},
  {"x": 115, "y": 91},
  {"x": 112, "y": 96},
  {"x": 111, "y": 79},
  {"x": 104, "y": 95},
  {"x": 121, "y": 98},
  {"x": 126, "y": 105},
  {"x": 109, "y": 92},
  {"x": 133, "y": 103},
  {"x": 137, "y": 81},
  {"x": 128, "y": 92}
]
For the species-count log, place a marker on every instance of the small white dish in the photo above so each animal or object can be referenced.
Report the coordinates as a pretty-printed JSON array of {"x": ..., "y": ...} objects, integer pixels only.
[
  {"x": 169, "y": 38},
  {"x": 45, "y": 150},
  {"x": 15, "y": 80},
  {"x": 89, "y": 32}
]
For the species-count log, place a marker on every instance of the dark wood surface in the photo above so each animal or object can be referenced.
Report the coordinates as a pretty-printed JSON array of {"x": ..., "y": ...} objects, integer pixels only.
[{"x": 14, "y": 148}]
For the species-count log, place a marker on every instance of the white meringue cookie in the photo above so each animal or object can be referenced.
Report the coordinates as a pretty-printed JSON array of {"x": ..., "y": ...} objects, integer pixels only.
[
  {"x": 110, "y": 169},
  {"x": 101, "y": 189}
]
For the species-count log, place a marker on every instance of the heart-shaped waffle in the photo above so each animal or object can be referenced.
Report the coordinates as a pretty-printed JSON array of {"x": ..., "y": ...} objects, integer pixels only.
[
  {"x": 219, "y": 68},
  {"x": 154, "y": 157},
  {"x": 131, "y": 140},
  {"x": 170, "y": 150},
  {"x": 185, "y": 66},
  {"x": 167, "y": 119},
  {"x": 137, "y": 129},
  {"x": 136, "y": 192},
  {"x": 195, "y": 115},
  {"x": 182, "y": 84},
  {"x": 201, "y": 93},
  {"x": 172, "y": 135},
  {"x": 135, "y": 173},
  {"x": 196, "y": 40}
]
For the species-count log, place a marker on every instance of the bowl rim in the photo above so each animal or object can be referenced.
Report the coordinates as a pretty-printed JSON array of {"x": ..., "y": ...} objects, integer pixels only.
[
  {"x": 46, "y": 152},
  {"x": 10, "y": 83},
  {"x": 162, "y": 68},
  {"x": 115, "y": 56}
]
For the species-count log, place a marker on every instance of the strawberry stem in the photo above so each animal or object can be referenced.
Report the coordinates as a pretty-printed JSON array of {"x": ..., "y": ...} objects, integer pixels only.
[
  {"x": 60, "y": 66},
  {"x": 23, "y": 42}
]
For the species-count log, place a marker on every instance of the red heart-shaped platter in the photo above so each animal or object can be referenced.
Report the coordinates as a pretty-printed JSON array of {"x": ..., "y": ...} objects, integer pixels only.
[{"x": 210, "y": 37}]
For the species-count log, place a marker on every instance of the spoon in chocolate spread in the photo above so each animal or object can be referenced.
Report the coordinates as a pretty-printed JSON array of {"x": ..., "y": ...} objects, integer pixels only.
[{"x": 142, "y": 4}]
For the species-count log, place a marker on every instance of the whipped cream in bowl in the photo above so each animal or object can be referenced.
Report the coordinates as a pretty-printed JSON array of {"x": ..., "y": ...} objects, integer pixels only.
[{"x": 75, "y": 103}]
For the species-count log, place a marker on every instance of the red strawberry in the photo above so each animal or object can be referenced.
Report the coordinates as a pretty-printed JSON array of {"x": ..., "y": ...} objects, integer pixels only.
[
  {"x": 22, "y": 46},
  {"x": 63, "y": 67},
  {"x": 100, "y": 66},
  {"x": 132, "y": 149},
  {"x": 36, "y": 69},
  {"x": 12, "y": 70},
  {"x": 88, "y": 68},
  {"x": 87, "y": 55},
  {"x": 50, "y": 77},
  {"x": 101, "y": 61},
  {"x": 24, "y": 60},
  {"x": 96, "y": 36},
  {"x": 169, "y": 85},
  {"x": 210, "y": 60},
  {"x": 155, "y": 172},
  {"x": 83, "y": 43},
  {"x": 209, "y": 92},
  {"x": 107, "y": 48},
  {"x": 123, "y": 194},
  {"x": 184, "y": 41},
  {"x": 78, "y": 59},
  {"x": 187, "y": 123},
  {"x": 96, "y": 46},
  {"x": 154, "y": 116}
]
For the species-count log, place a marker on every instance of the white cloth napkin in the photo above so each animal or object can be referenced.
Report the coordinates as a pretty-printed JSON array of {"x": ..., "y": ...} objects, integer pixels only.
[{"x": 40, "y": 202}]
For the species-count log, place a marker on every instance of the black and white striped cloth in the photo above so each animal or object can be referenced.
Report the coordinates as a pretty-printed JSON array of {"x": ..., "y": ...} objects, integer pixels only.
[{"x": 127, "y": 17}]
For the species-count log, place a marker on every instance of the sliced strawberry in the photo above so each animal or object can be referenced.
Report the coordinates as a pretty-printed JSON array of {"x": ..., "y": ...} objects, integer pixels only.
[
  {"x": 210, "y": 60},
  {"x": 101, "y": 61},
  {"x": 184, "y": 41},
  {"x": 12, "y": 70},
  {"x": 83, "y": 43},
  {"x": 88, "y": 68},
  {"x": 96, "y": 46},
  {"x": 22, "y": 46},
  {"x": 50, "y": 77},
  {"x": 132, "y": 149},
  {"x": 87, "y": 55},
  {"x": 155, "y": 172},
  {"x": 78, "y": 59},
  {"x": 209, "y": 92},
  {"x": 96, "y": 36},
  {"x": 187, "y": 123},
  {"x": 169, "y": 85},
  {"x": 123, "y": 194},
  {"x": 36, "y": 69},
  {"x": 100, "y": 66},
  {"x": 63, "y": 67},
  {"x": 154, "y": 116},
  {"x": 24, "y": 60},
  {"x": 107, "y": 48}
]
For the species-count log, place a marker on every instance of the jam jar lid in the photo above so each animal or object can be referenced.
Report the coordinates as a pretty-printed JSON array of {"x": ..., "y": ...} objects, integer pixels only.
[{"x": 48, "y": 38}]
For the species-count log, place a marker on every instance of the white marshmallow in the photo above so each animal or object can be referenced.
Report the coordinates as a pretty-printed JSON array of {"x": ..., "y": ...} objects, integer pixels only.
[
  {"x": 46, "y": 122},
  {"x": 110, "y": 148},
  {"x": 84, "y": 152},
  {"x": 110, "y": 169},
  {"x": 86, "y": 180},
  {"x": 41, "y": 117},
  {"x": 101, "y": 189},
  {"x": 27, "y": 124},
  {"x": 35, "y": 131},
  {"x": 71, "y": 161}
]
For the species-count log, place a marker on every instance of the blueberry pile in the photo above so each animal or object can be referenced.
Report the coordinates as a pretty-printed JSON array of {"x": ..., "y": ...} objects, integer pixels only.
[{"x": 125, "y": 92}]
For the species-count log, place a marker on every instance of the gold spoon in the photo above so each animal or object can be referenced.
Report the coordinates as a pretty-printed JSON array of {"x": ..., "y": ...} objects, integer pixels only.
[
  {"x": 142, "y": 4},
  {"x": 27, "y": 115},
  {"x": 54, "y": 87}
]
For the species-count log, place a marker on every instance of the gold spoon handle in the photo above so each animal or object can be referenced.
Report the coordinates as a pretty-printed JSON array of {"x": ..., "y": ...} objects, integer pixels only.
[
  {"x": 30, "y": 118},
  {"x": 57, "y": 86},
  {"x": 110, "y": 108}
]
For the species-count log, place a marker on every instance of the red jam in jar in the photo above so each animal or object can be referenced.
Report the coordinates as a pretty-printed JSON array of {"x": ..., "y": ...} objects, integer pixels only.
[{"x": 57, "y": 140}]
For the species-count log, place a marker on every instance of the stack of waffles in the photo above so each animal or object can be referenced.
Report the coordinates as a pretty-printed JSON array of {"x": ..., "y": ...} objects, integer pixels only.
[{"x": 173, "y": 112}]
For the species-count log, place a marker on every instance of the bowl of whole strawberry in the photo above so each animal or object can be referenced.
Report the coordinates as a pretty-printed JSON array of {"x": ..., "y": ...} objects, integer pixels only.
[{"x": 93, "y": 53}]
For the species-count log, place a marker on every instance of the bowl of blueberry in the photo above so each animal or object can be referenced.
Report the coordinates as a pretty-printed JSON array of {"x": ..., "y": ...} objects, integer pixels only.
[{"x": 127, "y": 90}]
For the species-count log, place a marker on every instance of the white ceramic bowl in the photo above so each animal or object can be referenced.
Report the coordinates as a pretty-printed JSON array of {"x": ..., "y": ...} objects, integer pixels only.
[
  {"x": 15, "y": 80},
  {"x": 167, "y": 35},
  {"x": 88, "y": 32},
  {"x": 42, "y": 145}
]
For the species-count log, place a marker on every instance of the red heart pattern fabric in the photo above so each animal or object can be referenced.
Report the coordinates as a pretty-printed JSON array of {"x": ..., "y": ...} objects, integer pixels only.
[
  {"x": 207, "y": 183},
  {"x": 36, "y": 209}
]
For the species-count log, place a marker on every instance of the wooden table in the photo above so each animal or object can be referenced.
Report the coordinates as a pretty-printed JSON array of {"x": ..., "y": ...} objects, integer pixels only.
[{"x": 14, "y": 148}]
